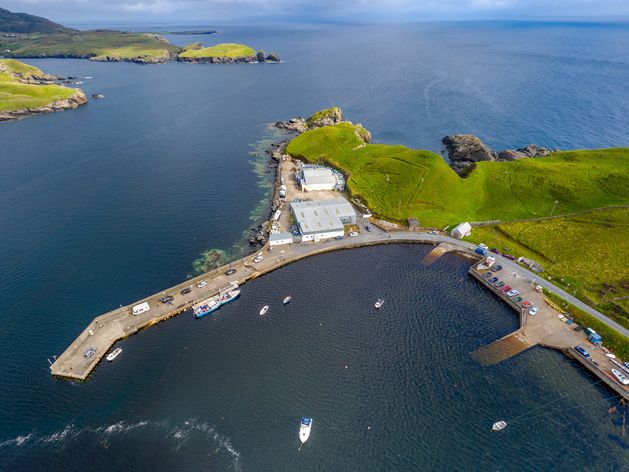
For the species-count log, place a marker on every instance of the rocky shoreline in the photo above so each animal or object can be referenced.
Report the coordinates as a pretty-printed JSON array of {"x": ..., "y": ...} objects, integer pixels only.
[
  {"x": 465, "y": 150},
  {"x": 74, "y": 101},
  {"x": 260, "y": 57}
]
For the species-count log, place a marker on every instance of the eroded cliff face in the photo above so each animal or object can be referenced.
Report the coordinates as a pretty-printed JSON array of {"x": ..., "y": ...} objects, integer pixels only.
[{"x": 77, "y": 99}]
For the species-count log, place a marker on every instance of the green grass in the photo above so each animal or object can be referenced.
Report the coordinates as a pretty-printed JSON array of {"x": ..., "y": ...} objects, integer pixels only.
[
  {"x": 580, "y": 254},
  {"x": 91, "y": 44},
  {"x": 15, "y": 95},
  {"x": 220, "y": 50},
  {"x": 397, "y": 182},
  {"x": 612, "y": 339}
]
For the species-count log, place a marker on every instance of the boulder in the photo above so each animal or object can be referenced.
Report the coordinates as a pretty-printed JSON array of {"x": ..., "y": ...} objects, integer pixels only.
[
  {"x": 260, "y": 55},
  {"x": 273, "y": 57}
]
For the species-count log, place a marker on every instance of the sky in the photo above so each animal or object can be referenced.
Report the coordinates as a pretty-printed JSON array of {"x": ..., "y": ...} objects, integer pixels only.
[{"x": 239, "y": 11}]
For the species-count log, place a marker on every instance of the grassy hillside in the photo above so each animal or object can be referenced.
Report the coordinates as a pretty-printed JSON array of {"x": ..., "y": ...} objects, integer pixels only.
[
  {"x": 219, "y": 50},
  {"x": 16, "y": 95},
  {"x": 96, "y": 45},
  {"x": 586, "y": 254},
  {"x": 397, "y": 182},
  {"x": 23, "y": 23}
]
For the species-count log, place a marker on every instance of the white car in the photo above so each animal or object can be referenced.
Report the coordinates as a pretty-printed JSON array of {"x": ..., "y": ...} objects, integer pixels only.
[
  {"x": 202, "y": 284},
  {"x": 533, "y": 311},
  {"x": 513, "y": 293},
  {"x": 258, "y": 259},
  {"x": 353, "y": 233},
  {"x": 483, "y": 246}
]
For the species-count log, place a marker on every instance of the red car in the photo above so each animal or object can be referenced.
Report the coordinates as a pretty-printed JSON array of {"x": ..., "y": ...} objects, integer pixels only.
[
  {"x": 509, "y": 256},
  {"x": 506, "y": 288},
  {"x": 526, "y": 304}
]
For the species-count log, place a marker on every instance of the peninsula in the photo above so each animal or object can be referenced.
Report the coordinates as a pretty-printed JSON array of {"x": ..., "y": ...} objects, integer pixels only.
[
  {"x": 25, "y": 90},
  {"x": 224, "y": 54}
]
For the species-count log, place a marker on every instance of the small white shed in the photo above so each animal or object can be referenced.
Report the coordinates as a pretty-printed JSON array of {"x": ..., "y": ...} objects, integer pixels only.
[
  {"x": 276, "y": 239},
  {"x": 461, "y": 231}
]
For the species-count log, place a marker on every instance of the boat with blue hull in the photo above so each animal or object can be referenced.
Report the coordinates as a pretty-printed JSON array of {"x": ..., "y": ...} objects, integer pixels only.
[{"x": 206, "y": 307}]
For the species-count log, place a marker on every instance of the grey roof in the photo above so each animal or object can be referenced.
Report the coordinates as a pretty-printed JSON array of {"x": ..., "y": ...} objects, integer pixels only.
[
  {"x": 280, "y": 236},
  {"x": 319, "y": 175},
  {"x": 321, "y": 215}
]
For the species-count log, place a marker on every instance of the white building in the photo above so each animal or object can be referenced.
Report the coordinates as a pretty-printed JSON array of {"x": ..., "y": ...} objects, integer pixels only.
[
  {"x": 277, "y": 239},
  {"x": 323, "y": 219},
  {"x": 313, "y": 178},
  {"x": 461, "y": 231}
]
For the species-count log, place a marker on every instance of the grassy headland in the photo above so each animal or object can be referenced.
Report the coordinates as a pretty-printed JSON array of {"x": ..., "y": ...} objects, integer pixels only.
[
  {"x": 226, "y": 50},
  {"x": 23, "y": 91},
  {"x": 95, "y": 45}
]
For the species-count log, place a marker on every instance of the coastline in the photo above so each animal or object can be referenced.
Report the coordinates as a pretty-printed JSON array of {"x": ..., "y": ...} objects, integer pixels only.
[{"x": 74, "y": 101}]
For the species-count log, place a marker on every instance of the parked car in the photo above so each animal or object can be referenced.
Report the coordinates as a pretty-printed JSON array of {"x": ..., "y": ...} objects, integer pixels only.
[
  {"x": 481, "y": 251},
  {"x": 230, "y": 272},
  {"x": 509, "y": 256},
  {"x": 185, "y": 291},
  {"x": 496, "y": 268},
  {"x": 517, "y": 299},
  {"x": 433, "y": 232},
  {"x": 493, "y": 279},
  {"x": 533, "y": 311},
  {"x": 583, "y": 352},
  {"x": 368, "y": 228},
  {"x": 481, "y": 245},
  {"x": 339, "y": 238},
  {"x": 526, "y": 304},
  {"x": 353, "y": 233},
  {"x": 500, "y": 284},
  {"x": 257, "y": 259},
  {"x": 167, "y": 299},
  {"x": 506, "y": 288},
  {"x": 487, "y": 274},
  {"x": 202, "y": 284},
  {"x": 495, "y": 250},
  {"x": 512, "y": 293},
  {"x": 89, "y": 353}
]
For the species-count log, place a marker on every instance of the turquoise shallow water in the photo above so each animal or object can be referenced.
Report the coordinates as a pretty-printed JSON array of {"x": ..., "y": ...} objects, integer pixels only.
[{"x": 104, "y": 204}]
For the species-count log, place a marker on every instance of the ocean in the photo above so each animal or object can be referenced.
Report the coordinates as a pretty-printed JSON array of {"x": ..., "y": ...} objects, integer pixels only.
[{"x": 105, "y": 204}]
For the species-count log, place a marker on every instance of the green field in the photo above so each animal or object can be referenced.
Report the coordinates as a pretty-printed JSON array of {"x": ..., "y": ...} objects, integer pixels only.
[
  {"x": 586, "y": 255},
  {"x": 220, "y": 50},
  {"x": 96, "y": 45},
  {"x": 15, "y": 95},
  {"x": 397, "y": 182}
]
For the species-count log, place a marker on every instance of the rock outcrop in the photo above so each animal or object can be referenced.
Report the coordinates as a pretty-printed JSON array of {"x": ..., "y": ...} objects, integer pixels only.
[
  {"x": 74, "y": 101},
  {"x": 296, "y": 125},
  {"x": 464, "y": 150}
]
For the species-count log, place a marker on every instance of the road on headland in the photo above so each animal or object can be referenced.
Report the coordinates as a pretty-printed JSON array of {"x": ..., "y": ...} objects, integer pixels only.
[{"x": 118, "y": 324}]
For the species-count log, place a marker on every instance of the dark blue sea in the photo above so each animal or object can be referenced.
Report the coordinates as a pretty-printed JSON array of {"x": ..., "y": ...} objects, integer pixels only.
[{"x": 105, "y": 204}]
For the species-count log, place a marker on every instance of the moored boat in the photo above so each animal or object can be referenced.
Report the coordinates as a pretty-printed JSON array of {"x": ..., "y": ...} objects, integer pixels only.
[
  {"x": 499, "y": 425},
  {"x": 264, "y": 309},
  {"x": 113, "y": 354},
  {"x": 620, "y": 377},
  {"x": 287, "y": 300},
  {"x": 487, "y": 263},
  {"x": 229, "y": 296},
  {"x": 206, "y": 307},
  {"x": 379, "y": 303},
  {"x": 304, "y": 429}
]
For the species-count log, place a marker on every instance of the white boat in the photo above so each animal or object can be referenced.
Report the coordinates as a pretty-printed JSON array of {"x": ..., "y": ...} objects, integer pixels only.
[
  {"x": 287, "y": 300},
  {"x": 304, "y": 429},
  {"x": 487, "y": 263},
  {"x": 499, "y": 425},
  {"x": 620, "y": 376},
  {"x": 379, "y": 303},
  {"x": 265, "y": 308},
  {"x": 113, "y": 354}
]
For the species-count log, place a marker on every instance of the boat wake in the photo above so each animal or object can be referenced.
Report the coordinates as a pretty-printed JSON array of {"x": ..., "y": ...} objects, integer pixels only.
[{"x": 176, "y": 434}]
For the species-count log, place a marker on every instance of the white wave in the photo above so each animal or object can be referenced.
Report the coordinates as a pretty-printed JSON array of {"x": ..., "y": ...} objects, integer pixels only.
[
  {"x": 59, "y": 435},
  {"x": 17, "y": 441}
]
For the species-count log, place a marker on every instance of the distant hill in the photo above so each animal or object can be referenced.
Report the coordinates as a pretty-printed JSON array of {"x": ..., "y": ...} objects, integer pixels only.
[{"x": 24, "y": 23}]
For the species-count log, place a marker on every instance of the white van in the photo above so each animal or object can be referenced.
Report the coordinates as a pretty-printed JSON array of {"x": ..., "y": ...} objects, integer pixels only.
[{"x": 141, "y": 308}]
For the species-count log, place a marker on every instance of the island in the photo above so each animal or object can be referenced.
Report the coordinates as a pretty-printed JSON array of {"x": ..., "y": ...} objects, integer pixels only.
[
  {"x": 25, "y": 90},
  {"x": 564, "y": 211},
  {"x": 28, "y": 36}
]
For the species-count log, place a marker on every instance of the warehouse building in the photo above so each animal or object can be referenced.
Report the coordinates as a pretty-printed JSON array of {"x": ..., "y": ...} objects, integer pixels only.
[
  {"x": 323, "y": 219},
  {"x": 313, "y": 178}
]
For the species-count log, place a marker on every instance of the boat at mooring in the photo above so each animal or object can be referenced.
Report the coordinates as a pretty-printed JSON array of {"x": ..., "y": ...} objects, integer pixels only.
[
  {"x": 287, "y": 300},
  {"x": 379, "y": 303},
  {"x": 113, "y": 354},
  {"x": 304, "y": 429},
  {"x": 499, "y": 425},
  {"x": 264, "y": 309},
  {"x": 206, "y": 307},
  {"x": 229, "y": 296}
]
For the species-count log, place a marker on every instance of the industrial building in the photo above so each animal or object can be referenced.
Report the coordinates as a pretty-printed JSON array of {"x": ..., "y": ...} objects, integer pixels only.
[
  {"x": 277, "y": 239},
  {"x": 323, "y": 219},
  {"x": 313, "y": 178}
]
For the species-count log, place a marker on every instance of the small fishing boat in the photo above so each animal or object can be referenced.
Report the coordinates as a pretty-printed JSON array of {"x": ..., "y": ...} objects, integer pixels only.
[
  {"x": 287, "y": 300},
  {"x": 620, "y": 376},
  {"x": 265, "y": 308},
  {"x": 304, "y": 429},
  {"x": 499, "y": 425},
  {"x": 379, "y": 303},
  {"x": 113, "y": 354}
]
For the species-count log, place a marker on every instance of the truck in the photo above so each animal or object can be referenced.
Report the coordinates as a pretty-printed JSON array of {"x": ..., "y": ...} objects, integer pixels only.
[{"x": 141, "y": 308}]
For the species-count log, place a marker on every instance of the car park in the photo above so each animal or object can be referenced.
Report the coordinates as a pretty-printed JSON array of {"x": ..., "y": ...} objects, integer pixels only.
[
  {"x": 533, "y": 311},
  {"x": 186, "y": 291},
  {"x": 230, "y": 272},
  {"x": 496, "y": 268},
  {"x": 583, "y": 352},
  {"x": 202, "y": 284},
  {"x": 89, "y": 353}
]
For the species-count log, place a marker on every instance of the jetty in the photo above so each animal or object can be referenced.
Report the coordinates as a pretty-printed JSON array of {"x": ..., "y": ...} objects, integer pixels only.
[{"x": 545, "y": 328}]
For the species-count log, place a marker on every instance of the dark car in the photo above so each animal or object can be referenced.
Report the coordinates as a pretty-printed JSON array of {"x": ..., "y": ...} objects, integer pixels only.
[
  {"x": 230, "y": 272},
  {"x": 339, "y": 238},
  {"x": 500, "y": 284},
  {"x": 186, "y": 291},
  {"x": 368, "y": 228},
  {"x": 89, "y": 353},
  {"x": 167, "y": 299},
  {"x": 496, "y": 268},
  {"x": 517, "y": 299},
  {"x": 582, "y": 351},
  {"x": 509, "y": 256},
  {"x": 487, "y": 275},
  {"x": 493, "y": 279},
  {"x": 495, "y": 250}
]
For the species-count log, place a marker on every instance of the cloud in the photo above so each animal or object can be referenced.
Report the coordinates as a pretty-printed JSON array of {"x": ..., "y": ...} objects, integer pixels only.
[{"x": 307, "y": 10}]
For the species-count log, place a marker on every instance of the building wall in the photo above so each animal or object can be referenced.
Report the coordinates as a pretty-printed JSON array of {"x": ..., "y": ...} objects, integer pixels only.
[
  {"x": 280, "y": 242},
  {"x": 320, "y": 236},
  {"x": 316, "y": 187}
]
